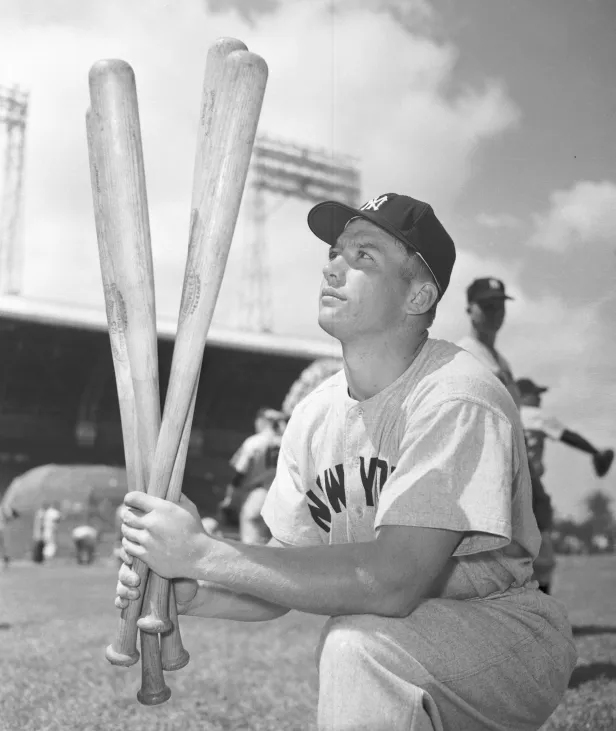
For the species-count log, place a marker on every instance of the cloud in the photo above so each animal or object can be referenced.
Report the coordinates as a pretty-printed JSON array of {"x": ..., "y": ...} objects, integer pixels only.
[
  {"x": 498, "y": 220},
  {"x": 355, "y": 82},
  {"x": 581, "y": 216}
]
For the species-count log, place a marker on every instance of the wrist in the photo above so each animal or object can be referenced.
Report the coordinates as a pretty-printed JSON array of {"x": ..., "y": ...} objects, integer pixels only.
[{"x": 207, "y": 557}]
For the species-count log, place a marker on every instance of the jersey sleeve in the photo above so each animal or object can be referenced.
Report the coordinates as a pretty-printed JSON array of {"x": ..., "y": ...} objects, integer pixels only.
[
  {"x": 455, "y": 471},
  {"x": 536, "y": 419},
  {"x": 286, "y": 510}
]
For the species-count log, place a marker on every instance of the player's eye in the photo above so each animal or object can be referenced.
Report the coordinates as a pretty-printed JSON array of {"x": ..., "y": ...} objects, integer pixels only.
[{"x": 333, "y": 253}]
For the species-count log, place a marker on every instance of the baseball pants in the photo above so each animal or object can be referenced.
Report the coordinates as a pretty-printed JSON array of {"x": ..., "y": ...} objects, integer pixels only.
[{"x": 494, "y": 664}]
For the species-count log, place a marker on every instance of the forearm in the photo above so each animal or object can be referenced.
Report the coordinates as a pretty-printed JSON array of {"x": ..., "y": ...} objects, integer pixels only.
[
  {"x": 329, "y": 580},
  {"x": 214, "y": 601},
  {"x": 575, "y": 440}
]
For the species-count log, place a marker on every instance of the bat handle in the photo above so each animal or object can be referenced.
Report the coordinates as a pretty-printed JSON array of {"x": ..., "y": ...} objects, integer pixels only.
[
  {"x": 123, "y": 651},
  {"x": 156, "y": 619},
  {"x": 153, "y": 689},
  {"x": 174, "y": 655}
]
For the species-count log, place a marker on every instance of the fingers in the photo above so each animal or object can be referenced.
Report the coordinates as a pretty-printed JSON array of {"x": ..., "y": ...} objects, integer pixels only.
[
  {"x": 142, "y": 501},
  {"x": 132, "y": 516},
  {"x": 126, "y": 588},
  {"x": 134, "y": 535},
  {"x": 133, "y": 549}
]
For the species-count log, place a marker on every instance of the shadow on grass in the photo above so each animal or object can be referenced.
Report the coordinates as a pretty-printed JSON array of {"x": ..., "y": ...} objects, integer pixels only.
[
  {"x": 593, "y": 629},
  {"x": 584, "y": 673}
]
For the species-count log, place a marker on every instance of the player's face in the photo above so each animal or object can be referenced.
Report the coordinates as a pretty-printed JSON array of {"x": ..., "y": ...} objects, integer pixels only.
[
  {"x": 363, "y": 292},
  {"x": 487, "y": 316}
]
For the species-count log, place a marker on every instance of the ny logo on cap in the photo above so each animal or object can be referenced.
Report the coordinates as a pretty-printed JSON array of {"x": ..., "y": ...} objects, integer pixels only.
[
  {"x": 374, "y": 203},
  {"x": 495, "y": 284}
]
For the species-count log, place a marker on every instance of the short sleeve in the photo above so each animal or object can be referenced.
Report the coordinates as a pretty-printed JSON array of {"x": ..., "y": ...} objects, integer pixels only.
[
  {"x": 455, "y": 471},
  {"x": 286, "y": 511},
  {"x": 535, "y": 419}
]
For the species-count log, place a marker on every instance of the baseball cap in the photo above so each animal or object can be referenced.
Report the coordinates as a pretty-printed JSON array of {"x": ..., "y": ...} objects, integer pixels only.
[
  {"x": 526, "y": 386},
  {"x": 411, "y": 221},
  {"x": 486, "y": 289}
]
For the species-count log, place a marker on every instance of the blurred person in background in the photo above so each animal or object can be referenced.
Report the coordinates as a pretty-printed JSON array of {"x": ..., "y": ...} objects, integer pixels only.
[
  {"x": 6, "y": 515},
  {"x": 254, "y": 469},
  {"x": 85, "y": 539},
  {"x": 486, "y": 299},
  {"x": 538, "y": 424}
]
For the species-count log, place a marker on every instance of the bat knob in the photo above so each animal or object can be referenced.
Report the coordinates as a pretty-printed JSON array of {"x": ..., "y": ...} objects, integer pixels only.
[
  {"x": 154, "y": 699},
  {"x": 176, "y": 663},
  {"x": 154, "y": 625},
  {"x": 121, "y": 658}
]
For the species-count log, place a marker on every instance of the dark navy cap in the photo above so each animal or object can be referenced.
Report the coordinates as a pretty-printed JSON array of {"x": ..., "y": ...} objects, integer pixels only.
[
  {"x": 488, "y": 288},
  {"x": 525, "y": 385},
  {"x": 410, "y": 221}
]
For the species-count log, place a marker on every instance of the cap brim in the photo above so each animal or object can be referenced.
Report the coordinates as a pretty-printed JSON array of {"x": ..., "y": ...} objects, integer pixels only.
[
  {"x": 328, "y": 220},
  {"x": 490, "y": 296}
]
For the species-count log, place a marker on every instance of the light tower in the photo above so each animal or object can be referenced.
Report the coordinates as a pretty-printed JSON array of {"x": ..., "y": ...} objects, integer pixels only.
[
  {"x": 13, "y": 113},
  {"x": 294, "y": 171}
]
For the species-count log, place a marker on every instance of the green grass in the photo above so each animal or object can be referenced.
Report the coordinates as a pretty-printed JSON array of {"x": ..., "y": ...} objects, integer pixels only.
[{"x": 57, "y": 620}]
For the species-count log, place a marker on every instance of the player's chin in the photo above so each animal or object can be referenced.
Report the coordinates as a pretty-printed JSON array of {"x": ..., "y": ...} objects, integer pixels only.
[{"x": 330, "y": 321}]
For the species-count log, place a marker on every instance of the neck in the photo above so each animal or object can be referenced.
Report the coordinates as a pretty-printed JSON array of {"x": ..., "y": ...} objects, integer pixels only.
[
  {"x": 373, "y": 364},
  {"x": 487, "y": 338}
]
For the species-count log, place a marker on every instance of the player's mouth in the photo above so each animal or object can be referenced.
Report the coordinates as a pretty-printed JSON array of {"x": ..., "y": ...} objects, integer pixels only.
[{"x": 330, "y": 292}]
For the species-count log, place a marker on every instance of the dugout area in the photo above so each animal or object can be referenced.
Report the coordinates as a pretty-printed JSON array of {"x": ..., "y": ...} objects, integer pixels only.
[{"x": 58, "y": 400}]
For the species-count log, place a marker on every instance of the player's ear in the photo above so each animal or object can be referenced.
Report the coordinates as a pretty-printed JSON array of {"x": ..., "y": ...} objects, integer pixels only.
[{"x": 421, "y": 298}]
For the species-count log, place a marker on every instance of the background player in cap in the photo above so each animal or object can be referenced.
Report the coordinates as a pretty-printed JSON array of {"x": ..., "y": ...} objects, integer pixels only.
[
  {"x": 486, "y": 299},
  {"x": 254, "y": 468},
  {"x": 486, "y": 309},
  {"x": 401, "y": 509},
  {"x": 538, "y": 424}
]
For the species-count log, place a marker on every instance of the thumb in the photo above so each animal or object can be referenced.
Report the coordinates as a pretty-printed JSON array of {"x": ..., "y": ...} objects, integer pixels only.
[{"x": 185, "y": 591}]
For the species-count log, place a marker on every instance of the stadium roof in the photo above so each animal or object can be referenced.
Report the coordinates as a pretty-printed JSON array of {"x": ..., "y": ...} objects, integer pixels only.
[{"x": 59, "y": 314}]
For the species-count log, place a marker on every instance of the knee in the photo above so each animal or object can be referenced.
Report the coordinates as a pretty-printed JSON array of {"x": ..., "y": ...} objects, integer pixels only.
[{"x": 345, "y": 639}]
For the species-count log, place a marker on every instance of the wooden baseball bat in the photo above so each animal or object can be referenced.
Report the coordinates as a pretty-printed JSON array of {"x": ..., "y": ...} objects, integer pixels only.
[
  {"x": 124, "y": 650},
  {"x": 121, "y": 200},
  {"x": 213, "y": 84},
  {"x": 228, "y": 141}
]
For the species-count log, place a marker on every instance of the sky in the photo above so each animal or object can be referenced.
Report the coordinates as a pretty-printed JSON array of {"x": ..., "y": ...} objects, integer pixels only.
[{"x": 499, "y": 114}]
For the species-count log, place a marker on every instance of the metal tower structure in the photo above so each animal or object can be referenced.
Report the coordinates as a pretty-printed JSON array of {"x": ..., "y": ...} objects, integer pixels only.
[
  {"x": 292, "y": 171},
  {"x": 13, "y": 113}
]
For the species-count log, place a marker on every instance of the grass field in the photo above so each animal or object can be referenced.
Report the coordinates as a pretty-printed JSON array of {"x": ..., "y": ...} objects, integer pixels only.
[{"x": 55, "y": 621}]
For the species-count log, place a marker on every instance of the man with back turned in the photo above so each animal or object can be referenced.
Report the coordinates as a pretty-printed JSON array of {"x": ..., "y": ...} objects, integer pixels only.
[{"x": 401, "y": 509}]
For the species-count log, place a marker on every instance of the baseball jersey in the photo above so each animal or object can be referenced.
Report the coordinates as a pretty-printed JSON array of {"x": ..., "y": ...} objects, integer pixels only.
[
  {"x": 256, "y": 459},
  {"x": 492, "y": 359},
  {"x": 537, "y": 426},
  {"x": 441, "y": 447}
]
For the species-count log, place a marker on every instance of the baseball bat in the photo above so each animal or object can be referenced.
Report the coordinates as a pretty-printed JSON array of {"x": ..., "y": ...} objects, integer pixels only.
[
  {"x": 213, "y": 85},
  {"x": 236, "y": 106},
  {"x": 121, "y": 199},
  {"x": 124, "y": 651}
]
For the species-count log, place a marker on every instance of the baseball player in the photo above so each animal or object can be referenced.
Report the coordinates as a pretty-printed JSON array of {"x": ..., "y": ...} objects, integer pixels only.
[
  {"x": 538, "y": 425},
  {"x": 486, "y": 299},
  {"x": 486, "y": 309},
  {"x": 254, "y": 467},
  {"x": 401, "y": 509},
  {"x": 85, "y": 538}
]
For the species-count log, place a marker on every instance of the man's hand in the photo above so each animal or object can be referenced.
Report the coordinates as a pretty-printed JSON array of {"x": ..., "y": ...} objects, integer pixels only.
[{"x": 168, "y": 537}]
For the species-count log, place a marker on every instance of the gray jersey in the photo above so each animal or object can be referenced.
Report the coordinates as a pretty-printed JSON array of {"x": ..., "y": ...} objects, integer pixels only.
[{"x": 441, "y": 447}]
